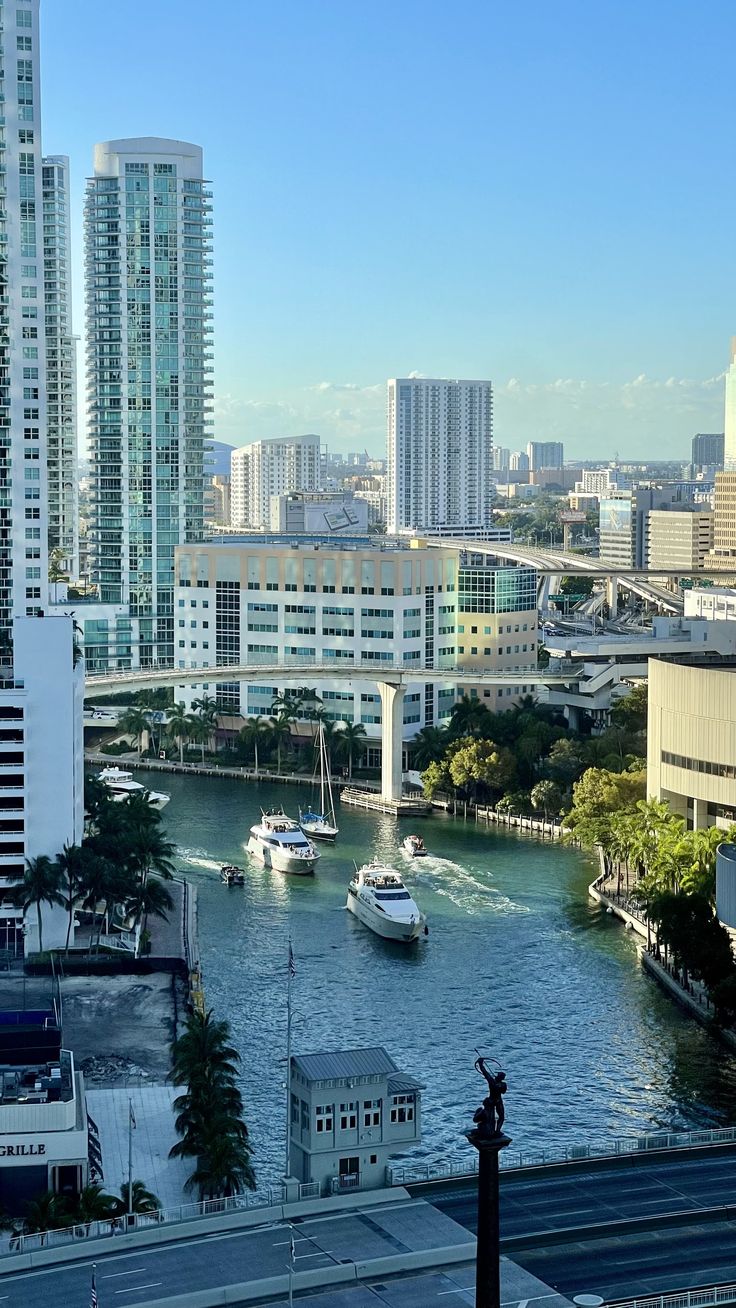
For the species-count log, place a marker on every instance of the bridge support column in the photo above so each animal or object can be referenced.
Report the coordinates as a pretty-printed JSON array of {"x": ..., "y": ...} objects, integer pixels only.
[
  {"x": 392, "y": 738},
  {"x": 612, "y": 595}
]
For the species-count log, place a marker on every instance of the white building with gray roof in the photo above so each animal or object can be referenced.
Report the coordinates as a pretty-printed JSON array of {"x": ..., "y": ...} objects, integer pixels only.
[{"x": 350, "y": 1112}]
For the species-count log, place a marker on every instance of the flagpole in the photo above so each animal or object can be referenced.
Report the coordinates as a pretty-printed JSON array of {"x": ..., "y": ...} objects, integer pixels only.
[
  {"x": 291, "y": 1266},
  {"x": 290, "y": 977},
  {"x": 130, "y": 1161}
]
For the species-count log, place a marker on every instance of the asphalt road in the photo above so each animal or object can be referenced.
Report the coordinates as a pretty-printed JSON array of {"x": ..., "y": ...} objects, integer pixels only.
[
  {"x": 613, "y": 1194},
  {"x": 638, "y": 1265},
  {"x": 159, "y": 1271}
]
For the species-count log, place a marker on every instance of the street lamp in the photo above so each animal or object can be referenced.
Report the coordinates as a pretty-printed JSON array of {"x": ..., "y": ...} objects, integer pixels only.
[{"x": 489, "y": 1138}]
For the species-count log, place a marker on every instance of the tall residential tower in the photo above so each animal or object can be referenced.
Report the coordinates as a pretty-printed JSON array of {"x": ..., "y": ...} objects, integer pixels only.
[
  {"x": 440, "y": 455},
  {"x": 271, "y": 467},
  {"x": 61, "y": 365},
  {"x": 148, "y": 290}
]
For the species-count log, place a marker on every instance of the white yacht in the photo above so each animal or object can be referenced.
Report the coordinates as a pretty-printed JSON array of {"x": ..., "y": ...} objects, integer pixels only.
[
  {"x": 121, "y": 785},
  {"x": 379, "y": 898},
  {"x": 278, "y": 841}
]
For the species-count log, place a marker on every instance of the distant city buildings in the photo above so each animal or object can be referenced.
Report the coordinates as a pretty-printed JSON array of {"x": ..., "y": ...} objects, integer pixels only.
[
  {"x": 724, "y": 498},
  {"x": 440, "y": 455},
  {"x": 501, "y": 458},
  {"x": 729, "y": 437},
  {"x": 148, "y": 289},
  {"x": 217, "y": 501},
  {"x": 271, "y": 467},
  {"x": 518, "y": 461},
  {"x": 545, "y": 454},
  {"x": 708, "y": 450}
]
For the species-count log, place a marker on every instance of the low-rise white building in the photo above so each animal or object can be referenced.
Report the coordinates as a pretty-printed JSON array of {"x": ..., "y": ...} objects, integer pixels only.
[
  {"x": 350, "y": 1112},
  {"x": 714, "y": 603}
]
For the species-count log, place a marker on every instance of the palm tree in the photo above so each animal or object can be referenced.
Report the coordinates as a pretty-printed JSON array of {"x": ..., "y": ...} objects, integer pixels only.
[
  {"x": 135, "y": 722},
  {"x": 143, "y": 1201},
  {"x": 178, "y": 726},
  {"x": 285, "y": 706},
  {"x": 350, "y": 743},
  {"x": 428, "y": 746},
  {"x": 41, "y": 884},
  {"x": 47, "y": 1212},
  {"x": 102, "y": 879},
  {"x": 92, "y": 1205},
  {"x": 470, "y": 717},
  {"x": 149, "y": 852},
  {"x": 149, "y": 896},
  {"x": 251, "y": 734},
  {"x": 97, "y": 797},
  {"x": 199, "y": 732},
  {"x": 280, "y": 733},
  {"x": 224, "y": 1164},
  {"x": 206, "y": 710},
  {"x": 71, "y": 865}
]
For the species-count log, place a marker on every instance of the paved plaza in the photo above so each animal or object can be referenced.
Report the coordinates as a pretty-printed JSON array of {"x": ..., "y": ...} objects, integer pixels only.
[{"x": 153, "y": 1137}]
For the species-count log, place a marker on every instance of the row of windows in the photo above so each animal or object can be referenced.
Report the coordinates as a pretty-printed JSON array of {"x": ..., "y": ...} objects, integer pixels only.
[{"x": 727, "y": 770}]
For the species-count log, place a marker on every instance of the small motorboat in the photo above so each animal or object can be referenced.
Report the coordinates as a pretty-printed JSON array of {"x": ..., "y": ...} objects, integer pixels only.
[
  {"x": 231, "y": 875},
  {"x": 415, "y": 847}
]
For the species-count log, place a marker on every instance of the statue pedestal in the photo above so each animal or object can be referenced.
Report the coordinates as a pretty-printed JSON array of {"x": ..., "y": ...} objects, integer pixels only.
[{"x": 488, "y": 1252}]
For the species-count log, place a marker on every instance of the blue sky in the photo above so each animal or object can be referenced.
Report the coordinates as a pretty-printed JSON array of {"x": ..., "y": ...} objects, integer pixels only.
[{"x": 542, "y": 194}]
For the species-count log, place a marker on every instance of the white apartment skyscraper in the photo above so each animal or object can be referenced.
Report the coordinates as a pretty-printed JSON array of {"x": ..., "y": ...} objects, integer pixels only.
[
  {"x": 61, "y": 364},
  {"x": 545, "y": 454},
  {"x": 149, "y": 375},
  {"x": 440, "y": 455},
  {"x": 271, "y": 467},
  {"x": 41, "y": 686}
]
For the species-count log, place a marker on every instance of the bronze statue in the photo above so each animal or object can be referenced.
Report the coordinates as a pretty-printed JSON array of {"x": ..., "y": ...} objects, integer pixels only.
[{"x": 490, "y": 1117}]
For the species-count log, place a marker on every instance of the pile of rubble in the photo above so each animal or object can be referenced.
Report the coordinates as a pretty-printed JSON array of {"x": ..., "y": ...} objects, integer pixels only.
[{"x": 111, "y": 1069}]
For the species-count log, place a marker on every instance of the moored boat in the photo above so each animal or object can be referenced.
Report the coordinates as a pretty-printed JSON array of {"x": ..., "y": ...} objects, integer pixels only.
[
  {"x": 320, "y": 824},
  {"x": 379, "y": 899},
  {"x": 122, "y": 785}
]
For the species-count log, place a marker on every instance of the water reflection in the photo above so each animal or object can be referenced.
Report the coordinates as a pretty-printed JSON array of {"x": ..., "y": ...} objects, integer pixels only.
[{"x": 517, "y": 961}]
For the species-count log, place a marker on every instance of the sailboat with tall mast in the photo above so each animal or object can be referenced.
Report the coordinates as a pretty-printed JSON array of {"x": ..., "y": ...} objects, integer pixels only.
[{"x": 321, "y": 824}]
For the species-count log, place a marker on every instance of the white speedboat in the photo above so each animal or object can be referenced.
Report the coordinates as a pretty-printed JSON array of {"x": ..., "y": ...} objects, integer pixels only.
[
  {"x": 278, "y": 841},
  {"x": 320, "y": 823},
  {"x": 379, "y": 898},
  {"x": 121, "y": 785},
  {"x": 232, "y": 876},
  {"x": 415, "y": 847}
]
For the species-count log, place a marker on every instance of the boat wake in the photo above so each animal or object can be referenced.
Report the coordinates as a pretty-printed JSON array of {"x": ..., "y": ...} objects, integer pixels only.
[
  {"x": 465, "y": 890},
  {"x": 198, "y": 858}
]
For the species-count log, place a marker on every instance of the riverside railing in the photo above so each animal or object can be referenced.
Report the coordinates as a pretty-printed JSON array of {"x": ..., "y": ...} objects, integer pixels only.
[
  {"x": 80, "y": 1232},
  {"x": 413, "y": 1173},
  {"x": 703, "y": 1297}
]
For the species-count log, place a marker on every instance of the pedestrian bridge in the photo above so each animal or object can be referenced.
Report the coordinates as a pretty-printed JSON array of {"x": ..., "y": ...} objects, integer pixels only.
[{"x": 390, "y": 679}]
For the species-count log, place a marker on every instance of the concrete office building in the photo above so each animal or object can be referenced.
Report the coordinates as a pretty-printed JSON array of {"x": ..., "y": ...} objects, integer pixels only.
[
  {"x": 708, "y": 450},
  {"x": 623, "y": 521},
  {"x": 678, "y": 539},
  {"x": 61, "y": 365},
  {"x": 271, "y": 467},
  {"x": 148, "y": 290},
  {"x": 691, "y": 739},
  {"x": 440, "y": 455},
  {"x": 263, "y": 601},
  {"x": 40, "y": 686},
  {"x": 545, "y": 454},
  {"x": 715, "y": 603},
  {"x": 350, "y": 1112}
]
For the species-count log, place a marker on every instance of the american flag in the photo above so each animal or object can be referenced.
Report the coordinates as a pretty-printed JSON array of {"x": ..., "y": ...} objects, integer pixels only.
[
  {"x": 93, "y": 1294},
  {"x": 292, "y": 1250},
  {"x": 131, "y": 1117},
  {"x": 292, "y": 964}
]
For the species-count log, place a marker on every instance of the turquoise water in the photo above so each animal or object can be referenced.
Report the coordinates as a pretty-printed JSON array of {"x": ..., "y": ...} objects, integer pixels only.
[{"x": 518, "y": 962}]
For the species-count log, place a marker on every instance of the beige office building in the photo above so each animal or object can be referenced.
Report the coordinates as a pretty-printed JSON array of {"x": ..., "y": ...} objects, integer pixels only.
[
  {"x": 678, "y": 539},
  {"x": 691, "y": 740}
]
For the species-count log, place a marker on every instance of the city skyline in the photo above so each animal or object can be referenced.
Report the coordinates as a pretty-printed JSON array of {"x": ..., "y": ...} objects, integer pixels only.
[{"x": 551, "y": 257}]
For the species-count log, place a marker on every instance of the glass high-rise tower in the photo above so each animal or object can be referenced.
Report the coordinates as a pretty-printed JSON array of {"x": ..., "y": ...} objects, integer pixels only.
[
  {"x": 149, "y": 372},
  {"x": 61, "y": 365}
]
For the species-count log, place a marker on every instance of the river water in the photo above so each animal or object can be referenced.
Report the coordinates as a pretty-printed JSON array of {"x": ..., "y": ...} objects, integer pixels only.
[{"x": 518, "y": 961}]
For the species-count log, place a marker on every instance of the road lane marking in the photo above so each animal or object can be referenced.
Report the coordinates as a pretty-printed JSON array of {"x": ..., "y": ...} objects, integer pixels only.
[
  {"x": 133, "y": 1289},
  {"x": 111, "y": 1276}
]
